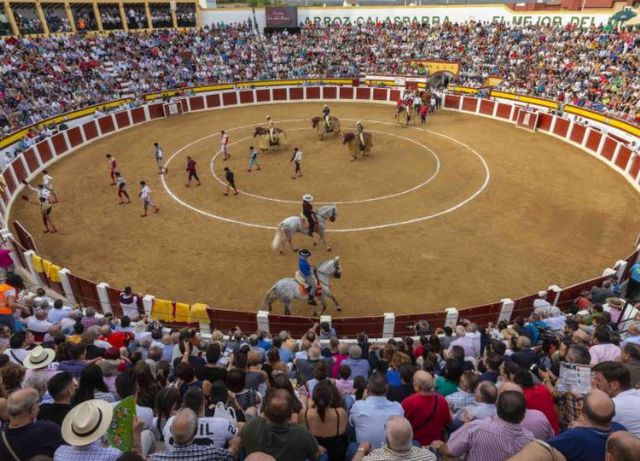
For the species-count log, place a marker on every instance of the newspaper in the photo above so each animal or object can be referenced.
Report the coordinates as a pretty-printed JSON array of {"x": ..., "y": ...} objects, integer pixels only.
[{"x": 574, "y": 378}]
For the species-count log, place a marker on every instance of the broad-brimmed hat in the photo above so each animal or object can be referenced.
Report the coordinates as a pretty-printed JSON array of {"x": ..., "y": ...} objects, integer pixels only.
[
  {"x": 542, "y": 294},
  {"x": 304, "y": 253},
  {"x": 616, "y": 303},
  {"x": 307, "y": 198},
  {"x": 39, "y": 358},
  {"x": 87, "y": 422}
]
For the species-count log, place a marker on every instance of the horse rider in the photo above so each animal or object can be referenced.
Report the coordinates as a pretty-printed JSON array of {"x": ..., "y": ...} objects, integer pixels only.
[
  {"x": 307, "y": 271},
  {"x": 308, "y": 212},
  {"x": 272, "y": 130},
  {"x": 325, "y": 114},
  {"x": 360, "y": 134}
]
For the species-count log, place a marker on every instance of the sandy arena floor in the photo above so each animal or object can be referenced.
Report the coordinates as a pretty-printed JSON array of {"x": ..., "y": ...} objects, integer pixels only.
[{"x": 548, "y": 213}]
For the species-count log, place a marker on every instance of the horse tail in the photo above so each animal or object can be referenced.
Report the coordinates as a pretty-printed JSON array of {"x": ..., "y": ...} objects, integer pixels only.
[
  {"x": 268, "y": 297},
  {"x": 278, "y": 238}
]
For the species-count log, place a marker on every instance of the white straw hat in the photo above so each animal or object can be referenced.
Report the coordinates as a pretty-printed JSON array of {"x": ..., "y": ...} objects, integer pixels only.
[
  {"x": 39, "y": 358},
  {"x": 87, "y": 422},
  {"x": 307, "y": 198}
]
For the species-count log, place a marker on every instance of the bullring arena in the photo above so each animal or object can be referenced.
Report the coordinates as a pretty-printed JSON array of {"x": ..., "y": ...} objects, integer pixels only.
[{"x": 461, "y": 211}]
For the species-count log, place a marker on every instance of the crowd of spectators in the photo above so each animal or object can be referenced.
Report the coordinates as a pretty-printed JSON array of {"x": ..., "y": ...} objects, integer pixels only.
[
  {"x": 596, "y": 68},
  {"x": 559, "y": 385}
]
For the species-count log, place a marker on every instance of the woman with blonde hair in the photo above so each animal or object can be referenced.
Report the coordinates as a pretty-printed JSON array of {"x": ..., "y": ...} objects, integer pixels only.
[{"x": 398, "y": 359}]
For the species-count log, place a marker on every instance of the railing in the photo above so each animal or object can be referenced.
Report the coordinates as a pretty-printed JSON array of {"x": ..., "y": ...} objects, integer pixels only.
[{"x": 104, "y": 298}]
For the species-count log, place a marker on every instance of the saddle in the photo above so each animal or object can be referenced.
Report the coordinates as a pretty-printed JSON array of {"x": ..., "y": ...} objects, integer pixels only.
[{"x": 304, "y": 288}]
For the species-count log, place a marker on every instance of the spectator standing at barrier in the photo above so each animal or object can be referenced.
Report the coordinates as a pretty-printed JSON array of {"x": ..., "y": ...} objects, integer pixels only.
[
  {"x": 129, "y": 303},
  {"x": 8, "y": 295},
  {"x": 147, "y": 201}
]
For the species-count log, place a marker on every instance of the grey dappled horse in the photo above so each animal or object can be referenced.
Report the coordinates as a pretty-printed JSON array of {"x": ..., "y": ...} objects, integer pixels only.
[
  {"x": 286, "y": 290},
  {"x": 293, "y": 224}
]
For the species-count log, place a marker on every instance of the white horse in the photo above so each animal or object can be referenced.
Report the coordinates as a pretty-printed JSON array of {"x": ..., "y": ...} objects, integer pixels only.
[
  {"x": 293, "y": 224},
  {"x": 286, "y": 290}
]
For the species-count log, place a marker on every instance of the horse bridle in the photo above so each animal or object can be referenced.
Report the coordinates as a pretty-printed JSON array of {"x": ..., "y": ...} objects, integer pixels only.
[{"x": 331, "y": 276}]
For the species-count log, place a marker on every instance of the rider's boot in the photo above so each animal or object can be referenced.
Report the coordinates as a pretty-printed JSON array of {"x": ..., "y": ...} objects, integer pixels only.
[{"x": 311, "y": 301}]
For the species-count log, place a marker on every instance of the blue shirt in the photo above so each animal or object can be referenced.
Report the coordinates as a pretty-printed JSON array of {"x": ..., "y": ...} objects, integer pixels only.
[
  {"x": 358, "y": 367},
  {"x": 285, "y": 355},
  {"x": 369, "y": 417},
  {"x": 583, "y": 443},
  {"x": 635, "y": 272},
  {"x": 304, "y": 267}
]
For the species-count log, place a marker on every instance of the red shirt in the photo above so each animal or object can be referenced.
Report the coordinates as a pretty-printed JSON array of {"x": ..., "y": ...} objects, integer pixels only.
[
  {"x": 428, "y": 424},
  {"x": 191, "y": 165},
  {"x": 540, "y": 398},
  {"x": 116, "y": 339}
]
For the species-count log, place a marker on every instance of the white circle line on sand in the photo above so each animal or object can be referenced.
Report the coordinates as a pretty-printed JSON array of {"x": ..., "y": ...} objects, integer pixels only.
[
  {"x": 344, "y": 202},
  {"x": 352, "y": 229}
]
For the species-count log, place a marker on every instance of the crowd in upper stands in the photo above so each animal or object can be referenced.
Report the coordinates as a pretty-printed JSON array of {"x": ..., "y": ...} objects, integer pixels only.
[
  {"x": 558, "y": 385},
  {"x": 597, "y": 68}
]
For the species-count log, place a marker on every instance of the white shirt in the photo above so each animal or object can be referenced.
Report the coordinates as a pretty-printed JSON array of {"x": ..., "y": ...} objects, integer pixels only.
[
  {"x": 467, "y": 343},
  {"x": 224, "y": 140},
  {"x": 159, "y": 153},
  {"x": 604, "y": 353},
  {"x": 131, "y": 309},
  {"x": 218, "y": 430},
  {"x": 39, "y": 326},
  {"x": 297, "y": 156},
  {"x": 145, "y": 193},
  {"x": 556, "y": 323},
  {"x": 628, "y": 410},
  {"x": 56, "y": 315},
  {"x": 17, "y": 356}
]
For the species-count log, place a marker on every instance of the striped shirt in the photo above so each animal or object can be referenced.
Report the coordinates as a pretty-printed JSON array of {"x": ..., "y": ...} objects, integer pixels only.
[
  {"x": 413, "y": 454},
  {"x": 490, "y": 439}
]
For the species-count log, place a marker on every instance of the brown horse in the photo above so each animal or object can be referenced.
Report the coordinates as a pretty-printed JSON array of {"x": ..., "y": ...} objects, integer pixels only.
[
  {"x": 321, "y": 127},
  {"x": 264, "y": 141},
  {"x": 353, "y": 143}
]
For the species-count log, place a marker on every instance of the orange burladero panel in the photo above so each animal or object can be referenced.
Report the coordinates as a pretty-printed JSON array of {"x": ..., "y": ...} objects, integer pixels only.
[
  {"x": 544, "y": 121},
  {"x": 75, "y": 136},
  {"x": 623, "y": 157},
  {"x": 504, "y": 110},
  {"x": 346, "y": 93},
  {"x": 486, "y": 106},
  {"x": 329, "y": 92},
  {"x": 137, "y": 115},
  {"x": 380, "y": 94},
  {"x": 18, "y": 167},
  {"x": 156, "y": 111},
  {"x": 45, "y": 151},
  {"x": 213, "y": 100},
  {"x": 594, "y": 141},
  {"x": 609, "y": 148},
  {"x": 296, "y": 93},
  {"x": 229, "y": 98},
  {"x": 246, "y": 97},
  {"x": 32, "y": 160},
  {"x": 8, "y": 180},
  {"x": 59, "y": 143},
  {"x": 313, "y": 92},
  {"x": 90, "y": 130},
  {"x": 263, "y": 95},
  {"x": 106, "y": 124},
  {"x": 577, "y": 135},
  {"x": 562, "y": 127},
  {"x": 469, "y": 104},
  {"x": 279, "y": 94},
  {"x": 122, "y": 119},
  {"x": 196, "y": 102}
]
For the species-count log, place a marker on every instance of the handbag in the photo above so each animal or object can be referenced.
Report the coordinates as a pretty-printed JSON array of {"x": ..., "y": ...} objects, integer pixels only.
[{"x": 225, "y": 412}]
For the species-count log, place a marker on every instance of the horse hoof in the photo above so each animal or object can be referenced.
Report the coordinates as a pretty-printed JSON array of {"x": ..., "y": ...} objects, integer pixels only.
[{"x": 329, "y": 249}]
